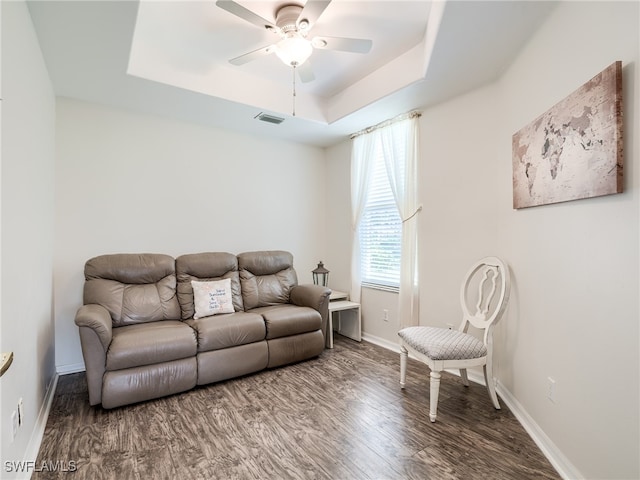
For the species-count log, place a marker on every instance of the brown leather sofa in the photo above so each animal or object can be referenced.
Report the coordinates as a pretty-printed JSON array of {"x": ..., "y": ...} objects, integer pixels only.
[{"x": 140, "y": 339}]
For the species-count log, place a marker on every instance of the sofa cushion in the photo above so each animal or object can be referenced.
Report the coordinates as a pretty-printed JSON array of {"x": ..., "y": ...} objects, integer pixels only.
[
  {"x": 134, "y": 288},
  {"x": 228, "y": 330},
  {"x": 150, "y": 343},
  {"x": 122, "y": 387},
  {"x": 212, "y": 298},
  {"x": 206, "y": 267},
  {"x": 218, "y": 365},
  {"x": 285, "y": 320},
  {"x": 266, "y": 278},
  {"x": 295, "y": 348}
]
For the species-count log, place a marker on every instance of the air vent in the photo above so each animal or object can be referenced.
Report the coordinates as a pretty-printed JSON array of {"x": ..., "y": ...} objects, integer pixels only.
[{"x": 269, "y": 118}]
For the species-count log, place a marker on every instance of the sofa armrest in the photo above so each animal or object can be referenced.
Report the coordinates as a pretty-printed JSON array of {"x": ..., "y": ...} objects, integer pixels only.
[
  {"x": 97, "y": 318},
  {"x": 313, "y": 296},
  {"x": 316, "y": 297},
  {"x": 94, "y": 323}
]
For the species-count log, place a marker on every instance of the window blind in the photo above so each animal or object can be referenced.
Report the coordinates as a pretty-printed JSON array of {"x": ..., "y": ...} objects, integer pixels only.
[{"x": 380, "y": 232}]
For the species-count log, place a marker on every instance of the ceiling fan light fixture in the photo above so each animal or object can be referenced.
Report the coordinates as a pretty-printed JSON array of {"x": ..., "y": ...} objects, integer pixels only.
[{"x": 294, "y": 50}]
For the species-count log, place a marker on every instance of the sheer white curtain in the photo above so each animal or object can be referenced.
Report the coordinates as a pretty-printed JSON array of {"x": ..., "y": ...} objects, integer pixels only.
[
  {"x": 399, "y": 141},
  {"x": 363, "y": 150},
  {"x": 400, "y": 147}
]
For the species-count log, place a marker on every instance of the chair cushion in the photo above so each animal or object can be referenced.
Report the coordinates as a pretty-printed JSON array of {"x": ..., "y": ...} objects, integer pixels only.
[
  {"x": 442, "y": 343},
  {"x": 150, "y": 343},
  {"x": 228, "y": 330}
]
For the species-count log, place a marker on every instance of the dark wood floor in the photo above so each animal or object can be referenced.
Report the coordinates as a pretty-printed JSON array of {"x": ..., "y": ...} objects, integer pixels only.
[{"x": 341, "y": 416}]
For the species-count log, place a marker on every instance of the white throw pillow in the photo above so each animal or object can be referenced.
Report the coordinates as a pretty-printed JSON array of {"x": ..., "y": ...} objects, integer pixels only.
[{"x": 212, "y": 298}]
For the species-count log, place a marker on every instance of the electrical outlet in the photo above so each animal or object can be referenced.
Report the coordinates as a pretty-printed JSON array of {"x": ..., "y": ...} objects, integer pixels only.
[
  {"x": 551, "y": 389},
  {"x": 385, "y": 315},
  {"x": 20, "y": 412},
  {"x": 14, "y": 425}
]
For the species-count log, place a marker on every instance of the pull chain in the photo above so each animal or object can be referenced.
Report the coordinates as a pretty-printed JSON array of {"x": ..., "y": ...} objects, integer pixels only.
[{"x": 294, "y": 64}]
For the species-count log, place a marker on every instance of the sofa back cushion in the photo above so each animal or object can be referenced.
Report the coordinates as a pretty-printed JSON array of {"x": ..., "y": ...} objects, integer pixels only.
[
  {"x": 134, "y": 288},
  {"x": 266, "y": 277},
  {"x": 203, "y": 267}
]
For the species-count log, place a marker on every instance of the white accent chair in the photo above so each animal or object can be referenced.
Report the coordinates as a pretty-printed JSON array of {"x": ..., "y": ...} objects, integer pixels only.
[{"x": 442, "y": 348}]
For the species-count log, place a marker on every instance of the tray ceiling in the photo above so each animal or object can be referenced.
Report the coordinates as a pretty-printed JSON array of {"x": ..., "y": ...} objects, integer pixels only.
[{"x": 171, "y": 58}]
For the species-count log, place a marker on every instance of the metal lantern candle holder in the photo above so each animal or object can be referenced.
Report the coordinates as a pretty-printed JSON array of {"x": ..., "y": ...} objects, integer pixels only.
[{"x": 320, "y": 275}]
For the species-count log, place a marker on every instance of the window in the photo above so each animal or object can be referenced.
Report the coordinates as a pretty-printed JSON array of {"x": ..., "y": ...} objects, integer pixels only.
[
  {"x": 380, "y": 231},
  {"x": 384, "y": 176}
]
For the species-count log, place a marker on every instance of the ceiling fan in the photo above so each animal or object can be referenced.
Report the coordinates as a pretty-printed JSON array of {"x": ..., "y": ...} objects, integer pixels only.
[{"x": 292, "y": 25}]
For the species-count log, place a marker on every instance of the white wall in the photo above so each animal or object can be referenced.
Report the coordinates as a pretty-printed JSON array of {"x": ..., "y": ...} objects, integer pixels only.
[
  {"x": 574, "y": 309},
  {"x": 136, "y": 183},
  {"x": 576, "y": 265},
  {"x": 27, "y": 177},
  {"x": 338, "y": 250},
  {"x": 460, "y": 179}
]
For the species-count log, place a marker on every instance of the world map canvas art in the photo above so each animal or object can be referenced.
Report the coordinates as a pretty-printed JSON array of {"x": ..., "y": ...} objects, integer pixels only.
[{"x": 574, "y": 149}]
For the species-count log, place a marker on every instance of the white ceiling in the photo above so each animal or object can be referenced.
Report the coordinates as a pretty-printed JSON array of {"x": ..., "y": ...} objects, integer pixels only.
[{"x": 170, "y": 58}]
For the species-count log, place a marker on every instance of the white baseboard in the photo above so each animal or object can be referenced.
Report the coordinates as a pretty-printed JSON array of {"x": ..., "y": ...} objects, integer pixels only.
[
  {"x": 559, "y": 461},
  {"x": 381, "y": 342},
  {"x": 71, "y": 368},
  {"x": 33, "y": 447}
]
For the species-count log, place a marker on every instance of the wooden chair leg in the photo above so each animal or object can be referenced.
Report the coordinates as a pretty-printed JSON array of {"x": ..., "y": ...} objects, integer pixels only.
[
  {"x": 434, "y": 391},
  {"x": 488, "y": 378},
  {"x": 403, "y": 365},
  {"x": 463, "y": 375}
]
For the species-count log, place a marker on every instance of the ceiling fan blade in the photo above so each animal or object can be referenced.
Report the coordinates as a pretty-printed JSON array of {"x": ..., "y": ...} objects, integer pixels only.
[
  {"x": 305, "y": 71},
  {"x": 244, "y": 13},
  {"x": 354, "y": 45},
  {"x": 249, "y": 57},
  {"x": 312, "y": 11}
]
